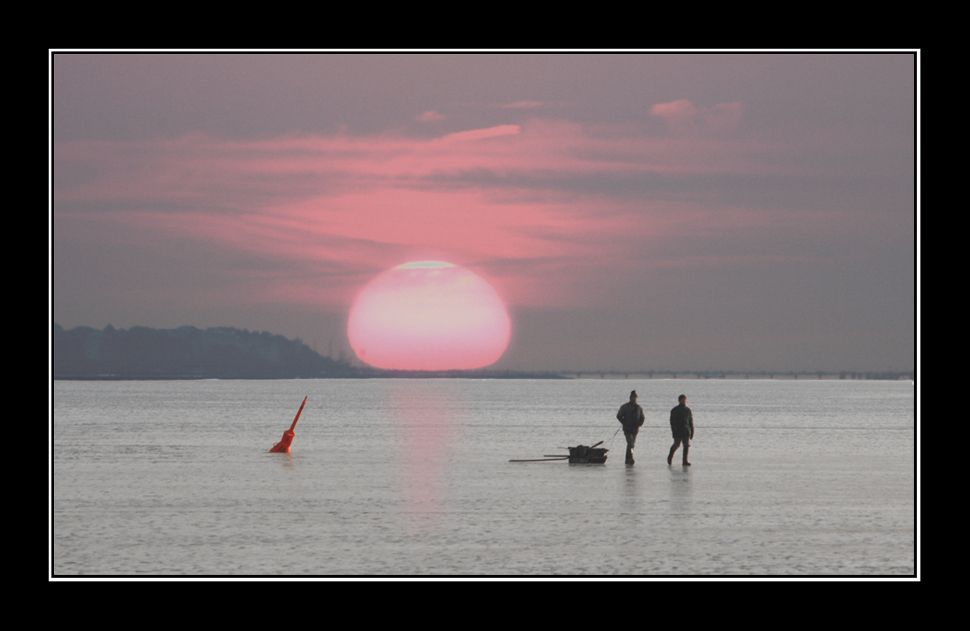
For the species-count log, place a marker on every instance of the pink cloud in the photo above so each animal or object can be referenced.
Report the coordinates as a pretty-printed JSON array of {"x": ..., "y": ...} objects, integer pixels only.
[
  {"x": 478, "y": 134},
  {"x": 675, "y": 110},
  {"x": 505, "y": 201},
  {"x": 683, "y": 117},
  {"x": 429, "y": 116},
  {"x": 523, "y": 105}
]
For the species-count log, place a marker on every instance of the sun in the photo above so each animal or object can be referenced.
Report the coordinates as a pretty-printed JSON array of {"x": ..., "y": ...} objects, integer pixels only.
[{"x": 429, "y": 315}]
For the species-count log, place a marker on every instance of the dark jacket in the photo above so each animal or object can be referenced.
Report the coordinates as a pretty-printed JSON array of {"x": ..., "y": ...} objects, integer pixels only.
[
  {"x": 630, "y": 415},
  {"x": 682, "y": 421}
]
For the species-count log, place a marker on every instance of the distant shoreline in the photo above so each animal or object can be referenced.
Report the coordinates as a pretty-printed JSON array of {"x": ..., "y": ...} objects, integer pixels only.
[
  {"x": 622, "y": 376},
  {"x": 741, "y": 375},
  {"x": 190, "y": 354}
]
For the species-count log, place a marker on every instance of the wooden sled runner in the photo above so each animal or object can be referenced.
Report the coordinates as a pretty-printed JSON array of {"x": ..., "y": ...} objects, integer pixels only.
[{"x": 581, "y": 454}]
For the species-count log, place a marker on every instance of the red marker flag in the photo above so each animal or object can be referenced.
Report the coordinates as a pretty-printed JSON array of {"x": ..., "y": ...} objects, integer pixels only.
[{"x": 283, "y": 447}]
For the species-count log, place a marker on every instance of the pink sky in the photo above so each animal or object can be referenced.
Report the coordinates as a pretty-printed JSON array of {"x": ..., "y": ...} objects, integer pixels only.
[{"x": 766, "y": 226}]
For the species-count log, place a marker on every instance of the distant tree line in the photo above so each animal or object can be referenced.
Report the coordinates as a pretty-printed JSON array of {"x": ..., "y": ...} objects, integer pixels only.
[
  {"x": 227, "y": 353},
  {"x": 186, "y": 353}
]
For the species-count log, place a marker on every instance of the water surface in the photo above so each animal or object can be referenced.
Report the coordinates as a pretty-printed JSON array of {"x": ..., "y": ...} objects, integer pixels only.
[{"x": 411, "y": 477}]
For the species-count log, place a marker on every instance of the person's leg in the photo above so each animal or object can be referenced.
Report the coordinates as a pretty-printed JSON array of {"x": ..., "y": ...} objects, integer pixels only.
[
  {"x": 631, "y": 439},
  {"x": 673, "y": 448}
]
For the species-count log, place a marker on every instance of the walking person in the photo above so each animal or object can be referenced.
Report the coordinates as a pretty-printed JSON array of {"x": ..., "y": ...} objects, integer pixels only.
[
  {"x": 631, "y": 418},
  {"x": 682, "y": 427}
]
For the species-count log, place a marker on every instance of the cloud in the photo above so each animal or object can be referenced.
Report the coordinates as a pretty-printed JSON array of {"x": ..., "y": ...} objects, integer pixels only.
[
  {"x": 523, "y": 105},
  {"x": 429, "y": 116},
  {"x": 548, "y": 195},
  {"x": 478, "y": 134},
  {"x": 683, "y": 117}
]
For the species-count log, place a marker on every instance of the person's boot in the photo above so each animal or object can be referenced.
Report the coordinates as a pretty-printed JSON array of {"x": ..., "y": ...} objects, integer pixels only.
[
  {"x": 670, "y": 457},
  {"x": 685, "y": 463},
  {"x": 629, "y": 455}
]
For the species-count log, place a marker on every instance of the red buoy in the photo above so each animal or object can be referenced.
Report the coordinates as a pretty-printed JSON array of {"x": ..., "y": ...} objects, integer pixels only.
[{"x": 283, "y": 447}]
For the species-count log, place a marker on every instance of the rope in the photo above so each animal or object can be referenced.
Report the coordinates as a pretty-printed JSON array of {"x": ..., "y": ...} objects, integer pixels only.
[{"x": 614, "y": 436}]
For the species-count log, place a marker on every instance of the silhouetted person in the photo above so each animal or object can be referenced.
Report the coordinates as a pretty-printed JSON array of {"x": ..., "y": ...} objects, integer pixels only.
[
  {"x": 631, "y": 417},
  {"x": 682, "y": 427}
]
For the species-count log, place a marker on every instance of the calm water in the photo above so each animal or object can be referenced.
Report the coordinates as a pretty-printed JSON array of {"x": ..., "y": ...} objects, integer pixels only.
[{"x": 411, "y": 477}]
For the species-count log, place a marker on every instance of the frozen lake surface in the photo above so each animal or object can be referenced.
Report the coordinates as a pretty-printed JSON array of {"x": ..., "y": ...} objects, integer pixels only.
[{"x": 404, "y": 477}]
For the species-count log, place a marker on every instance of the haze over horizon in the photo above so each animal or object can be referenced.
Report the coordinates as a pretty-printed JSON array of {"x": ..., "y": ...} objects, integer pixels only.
[{"x": 740, "y": 211}]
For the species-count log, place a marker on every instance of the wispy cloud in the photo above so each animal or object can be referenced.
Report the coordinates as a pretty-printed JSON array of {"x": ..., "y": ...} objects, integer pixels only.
[
  {"x": 553, "y": 191},
  {"x": 429, "y": 116},
  {"x": 683, "y": 117},
  {"x": 523, "y": 105},
  {"x": 478, "y": 134}
]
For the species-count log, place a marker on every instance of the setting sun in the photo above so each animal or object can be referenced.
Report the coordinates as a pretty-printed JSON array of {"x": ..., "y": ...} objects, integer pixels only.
[{"x": 429, "y": 315}]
